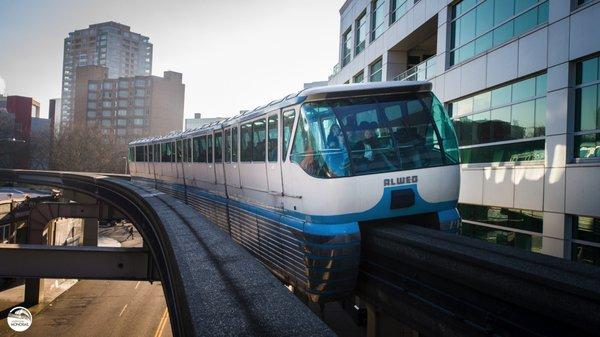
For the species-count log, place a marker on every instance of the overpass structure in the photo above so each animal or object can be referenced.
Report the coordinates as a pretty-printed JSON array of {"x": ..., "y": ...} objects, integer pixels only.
[
  {"x": 212, "y": 286},
  {"x": 434, "y": 282}
]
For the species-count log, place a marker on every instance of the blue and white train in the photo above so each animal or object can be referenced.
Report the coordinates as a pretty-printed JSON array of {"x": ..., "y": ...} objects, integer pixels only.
[{"x": 293, "y": 181}]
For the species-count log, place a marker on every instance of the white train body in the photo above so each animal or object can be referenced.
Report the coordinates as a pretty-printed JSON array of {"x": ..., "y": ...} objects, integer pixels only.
[{"x": 293, "y": 181}]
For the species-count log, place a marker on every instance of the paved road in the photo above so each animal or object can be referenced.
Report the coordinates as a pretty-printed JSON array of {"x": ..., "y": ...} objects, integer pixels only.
[{"x": 102, "y": 308}]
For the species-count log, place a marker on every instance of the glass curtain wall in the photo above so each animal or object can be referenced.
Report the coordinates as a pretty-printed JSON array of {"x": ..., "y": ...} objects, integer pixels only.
[
  {"x": 479, "y": 25},
  {"x": 504, "y": 124}
]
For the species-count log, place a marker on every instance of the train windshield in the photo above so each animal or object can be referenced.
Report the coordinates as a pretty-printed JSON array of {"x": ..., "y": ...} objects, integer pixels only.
[{"x": 367, "y": 135}]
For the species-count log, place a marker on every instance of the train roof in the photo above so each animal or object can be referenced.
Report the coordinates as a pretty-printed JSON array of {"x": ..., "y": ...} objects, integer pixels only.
[{"x": 316, "y": 93}]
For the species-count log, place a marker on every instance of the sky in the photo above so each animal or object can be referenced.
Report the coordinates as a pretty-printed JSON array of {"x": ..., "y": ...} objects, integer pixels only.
[{"x": 234, "y": 54}]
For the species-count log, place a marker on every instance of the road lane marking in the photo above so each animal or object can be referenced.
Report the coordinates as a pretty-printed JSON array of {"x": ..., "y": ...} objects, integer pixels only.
[
  {"x": 137, "y": 285},
  {"x": 162, "y": 324},
  {"x": 123, "y": 310}
]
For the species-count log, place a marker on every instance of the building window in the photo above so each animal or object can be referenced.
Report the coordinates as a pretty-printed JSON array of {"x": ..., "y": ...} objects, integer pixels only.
[
  {"x": 360, "y": 34},
  {"x": 138, "y": 122},
  {"x": 480, "y": 25},
  {"x": 359, "y": 78},
  {"x": 515, "y": 112},
  {"x": 107, "y": 85},
  {"x": 375, "y": 71},
  {"x": 586, "y": 240},
  {"x": 587, "y": 108},
  {"x": 107, "y": 104},
  {"x": 505, "y": 226},
  {"x": 377, "y": 18},
  {"x": 123, "y": 93},
  {"x": 91, "y": 114},
  {"x": 346, "y": 48},
  {"x": 122, "y": 103},
  {"x": 397, "y": 9},
  {"x": 121, "y": 122},
  {"x": 122, "y": 112},
  {"x": 139, "y": 102}
]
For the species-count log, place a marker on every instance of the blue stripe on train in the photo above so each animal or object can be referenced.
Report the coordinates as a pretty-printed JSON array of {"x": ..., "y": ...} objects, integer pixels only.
[{"x": 333, "y": 224}]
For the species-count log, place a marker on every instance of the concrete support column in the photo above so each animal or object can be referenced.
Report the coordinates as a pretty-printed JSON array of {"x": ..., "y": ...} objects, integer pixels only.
[
  {"x": 90, "y": 232},
  {"x": 34, "y": 291},
  {"x": 396, "y": 64}
]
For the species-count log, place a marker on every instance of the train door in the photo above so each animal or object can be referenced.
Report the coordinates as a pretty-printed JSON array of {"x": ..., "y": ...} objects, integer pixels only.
[
  {"x": 219, "y": 169},
  {"x": 232, "y": 172},
  {"x": 273, "y": 163},
  {"x": 291, "y": 198}
]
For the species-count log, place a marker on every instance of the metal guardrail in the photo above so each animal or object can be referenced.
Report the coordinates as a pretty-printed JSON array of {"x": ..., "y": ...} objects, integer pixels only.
[
  {"x": 421, "y": 72},
  {"x": 442, "y": 284}
]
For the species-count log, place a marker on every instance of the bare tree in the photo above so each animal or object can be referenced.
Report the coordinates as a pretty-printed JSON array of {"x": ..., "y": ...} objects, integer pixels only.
[{"x": 88, "y": 150}]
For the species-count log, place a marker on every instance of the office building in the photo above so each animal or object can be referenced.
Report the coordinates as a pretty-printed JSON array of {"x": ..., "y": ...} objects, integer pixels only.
[
  {"x": 24, "y": 135},
  {"x": 520, "y": 80},
  {"x": 128, "y": 107},
  {"x": 109, "y": 44},
  {"x": 198, "y": 121},
  {"x": 54, "y": 115}
]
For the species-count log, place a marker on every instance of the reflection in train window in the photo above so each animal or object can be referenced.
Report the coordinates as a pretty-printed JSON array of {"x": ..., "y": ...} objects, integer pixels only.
[
  {"x": 157, "y": 152},
  {"x": 218, "y": 147},
  {"x": 210, "y": 148},
  {"x": 337, "y": 138},
  {"x": 288, "y": 123},
  {"x": 272, "y": 143},
  {"x": 246, "y": 141},
  {"x": 150, "y": 153},
  {"x": 198, "y": 154},
  {"x": 179, "y": 151},
  {"x": 234, "y": 147},
  {"x": 228, "y": 145},
  {"x": 139, "y": 153},
  {"x": 188, "y": 150},
  {"x": 258, "y": 140},
  {"x": 168, "y": 153}
]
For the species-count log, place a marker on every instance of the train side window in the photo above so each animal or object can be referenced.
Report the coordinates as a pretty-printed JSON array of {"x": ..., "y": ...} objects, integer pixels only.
[
  {"x": 228, "y": 146},
  {"x": 210, "y": 148},
  {"x": 150, "y": 153},
  {"x": 272, "y": 143},
  {"x": 187, "y": 151},
  {"x": 139, "y": 153},
  {"x": 164, "y": 152},
  {"x": 246, "y": 140},
  {"x": 218, "y": 147},
  {"x": 288, "y": 124},
  {"x": 179, "y": 151},
  {"x": 196, "y": 149},
  {"x": 259, "y": 131},
  {"x": 203, "y": 147},
  {"x": 157, "y": 153},
  {"x": 131, "y": 156},
  {"x": 172, "y": 152},
  {"x": 234, "y": 145}
]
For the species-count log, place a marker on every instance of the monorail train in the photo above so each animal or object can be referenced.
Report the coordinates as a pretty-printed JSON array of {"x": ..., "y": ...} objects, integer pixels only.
[{"x": 293, "y": 181}]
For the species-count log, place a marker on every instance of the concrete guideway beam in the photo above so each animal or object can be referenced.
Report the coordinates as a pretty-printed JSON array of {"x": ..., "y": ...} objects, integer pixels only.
[{"x": 104, "y": 263}]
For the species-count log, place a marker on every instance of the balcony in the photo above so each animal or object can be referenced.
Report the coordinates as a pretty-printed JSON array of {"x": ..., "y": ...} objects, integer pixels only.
[{"x": 421, "y": 72}]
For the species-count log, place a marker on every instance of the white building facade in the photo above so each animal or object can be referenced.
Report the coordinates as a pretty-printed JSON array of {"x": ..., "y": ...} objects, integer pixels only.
[{"x": 521, "y": 81}]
